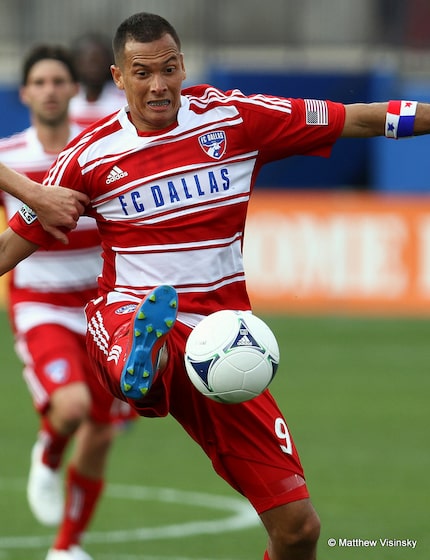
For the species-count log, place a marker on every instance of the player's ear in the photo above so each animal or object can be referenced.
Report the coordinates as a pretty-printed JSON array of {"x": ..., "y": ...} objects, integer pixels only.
[
  {"x": 117, "y": 76},
  {"x": 75, "y": 89},
  {"x": 23, "y": 95}
]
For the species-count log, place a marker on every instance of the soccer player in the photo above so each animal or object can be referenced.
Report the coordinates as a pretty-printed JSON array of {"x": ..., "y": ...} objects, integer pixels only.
[
  {"x": 169, "y": 178},
  {"x": 47, "y": 294},
  {"x": 97, "y": 95}
]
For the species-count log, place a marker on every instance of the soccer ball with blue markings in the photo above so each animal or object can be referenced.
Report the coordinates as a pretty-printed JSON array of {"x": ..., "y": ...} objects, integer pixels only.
[{"x": 231, "y": 356}]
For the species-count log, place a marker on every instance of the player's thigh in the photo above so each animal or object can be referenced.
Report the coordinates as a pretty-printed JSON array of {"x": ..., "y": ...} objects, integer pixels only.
[
  {"x": 107, "y": 322},
  {"x": 249, "y": 444},
  {"x": 258, "y": 455}
]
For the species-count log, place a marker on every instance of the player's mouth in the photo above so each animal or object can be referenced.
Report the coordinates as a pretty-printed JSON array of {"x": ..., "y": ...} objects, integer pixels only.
[
  {"x": 50, "y": 107},
  {"x": 160, "y": 104}
]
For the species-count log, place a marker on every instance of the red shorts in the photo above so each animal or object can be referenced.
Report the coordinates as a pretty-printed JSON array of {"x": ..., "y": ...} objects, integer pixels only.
[
  {"x": 249, "y": 444},
  {"x": 54, "y": 357}
]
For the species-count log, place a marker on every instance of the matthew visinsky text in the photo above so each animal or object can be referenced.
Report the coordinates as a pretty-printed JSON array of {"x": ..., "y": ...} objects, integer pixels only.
[{"x": 405, "y": 543}]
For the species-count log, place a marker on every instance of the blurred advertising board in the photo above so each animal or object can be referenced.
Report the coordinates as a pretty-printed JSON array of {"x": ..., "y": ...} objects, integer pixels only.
[{"x": 332, "y": 252}]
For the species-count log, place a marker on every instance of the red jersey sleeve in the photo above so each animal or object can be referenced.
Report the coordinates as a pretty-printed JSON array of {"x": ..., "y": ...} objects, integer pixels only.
[
  {"x": 284, "y": 127},
  {"x": 26, "y": 225}
]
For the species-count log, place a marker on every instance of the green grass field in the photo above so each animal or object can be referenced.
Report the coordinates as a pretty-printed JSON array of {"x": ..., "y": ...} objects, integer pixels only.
[{"x": 355, "y": 393}]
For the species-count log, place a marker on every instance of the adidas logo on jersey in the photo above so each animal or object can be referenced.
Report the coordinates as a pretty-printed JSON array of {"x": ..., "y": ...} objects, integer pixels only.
[{"x": 115, "y": 174}]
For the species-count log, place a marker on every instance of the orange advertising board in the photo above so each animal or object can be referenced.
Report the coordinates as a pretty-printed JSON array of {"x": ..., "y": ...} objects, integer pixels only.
[
  {"x": 326, "y": 252},
  {"x": 338, "y": 252}
]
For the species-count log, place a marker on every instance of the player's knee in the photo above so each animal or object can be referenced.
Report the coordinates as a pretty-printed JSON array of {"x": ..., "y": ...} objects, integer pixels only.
[
  {"x": 307, "y": 534},
  {"x": 302, "y": 534},
  {"x": 69, "y": 406},
  {"x": 293, "y": 528},
  {"x": 100, "y": 436}
]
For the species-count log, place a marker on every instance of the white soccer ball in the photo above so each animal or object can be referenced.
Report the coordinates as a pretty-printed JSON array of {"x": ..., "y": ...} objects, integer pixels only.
[{"x": 231, "y": 356}]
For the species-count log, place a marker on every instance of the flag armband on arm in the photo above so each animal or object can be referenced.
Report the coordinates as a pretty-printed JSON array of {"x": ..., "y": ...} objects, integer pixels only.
[{"x": 400, "y": 118}]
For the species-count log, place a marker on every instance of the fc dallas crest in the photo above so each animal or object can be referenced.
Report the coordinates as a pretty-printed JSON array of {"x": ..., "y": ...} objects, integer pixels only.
[{"x": 213, "y": 143}]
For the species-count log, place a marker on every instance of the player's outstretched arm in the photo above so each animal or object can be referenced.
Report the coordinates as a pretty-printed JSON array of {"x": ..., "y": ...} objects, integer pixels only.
[
  {"x": 57, "y": 208},
  {"x": 13, "y": 249},
  {"x": 394, "y": 119}
]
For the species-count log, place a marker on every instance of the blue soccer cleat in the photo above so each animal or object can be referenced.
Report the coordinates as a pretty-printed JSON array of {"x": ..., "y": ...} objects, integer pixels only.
[{"x": 152, "y": 321}]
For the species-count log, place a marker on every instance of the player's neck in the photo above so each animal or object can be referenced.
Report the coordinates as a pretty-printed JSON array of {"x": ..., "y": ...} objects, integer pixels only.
[
  {"x": 53, "y": 138},
  {"x": 93, "y": 93}
]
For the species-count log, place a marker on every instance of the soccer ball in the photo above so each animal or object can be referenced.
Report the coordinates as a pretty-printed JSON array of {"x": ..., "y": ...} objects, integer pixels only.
[{"x": 231, "y": 356}]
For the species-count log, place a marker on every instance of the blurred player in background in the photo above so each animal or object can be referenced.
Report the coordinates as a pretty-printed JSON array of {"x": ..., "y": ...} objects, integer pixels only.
[
  {"x": 97, "y": 96},
  {"x": 47, "y": 293}
]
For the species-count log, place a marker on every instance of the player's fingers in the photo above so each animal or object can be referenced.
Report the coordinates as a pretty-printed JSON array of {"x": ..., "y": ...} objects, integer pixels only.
[
  {"x": 74, "y": 214},
  {"x": 80, "y": 210},
  {"x": 58, "y": 235},
  {"x": 81, "y": 200}
]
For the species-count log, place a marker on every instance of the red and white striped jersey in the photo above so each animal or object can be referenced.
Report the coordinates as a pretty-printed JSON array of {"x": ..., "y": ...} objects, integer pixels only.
[
  {"x": 84, "y": 113},
  {"x": 171, "y": 205},
  {"x": 65, "y": 276}
]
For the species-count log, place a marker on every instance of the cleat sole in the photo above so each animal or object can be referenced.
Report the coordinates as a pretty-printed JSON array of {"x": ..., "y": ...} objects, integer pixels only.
[{"x": 151, "y": 323}]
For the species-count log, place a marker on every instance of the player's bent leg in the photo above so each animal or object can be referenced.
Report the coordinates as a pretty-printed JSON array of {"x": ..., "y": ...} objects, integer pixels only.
[
  {"x": 293, "y": 531},
  {"x": 93, "y": 442},
  {"x": 151, "y": 322},
  {"x": 69, "y": 405}
]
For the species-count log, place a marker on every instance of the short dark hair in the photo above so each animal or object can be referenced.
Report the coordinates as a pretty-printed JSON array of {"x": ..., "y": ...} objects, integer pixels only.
[
  {"x": 143, "y": 28},
  {"x": 48, "y": 52}
]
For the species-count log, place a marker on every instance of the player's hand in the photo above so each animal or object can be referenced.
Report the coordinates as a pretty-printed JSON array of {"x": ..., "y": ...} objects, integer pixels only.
[{"x": 58, "y": 210}]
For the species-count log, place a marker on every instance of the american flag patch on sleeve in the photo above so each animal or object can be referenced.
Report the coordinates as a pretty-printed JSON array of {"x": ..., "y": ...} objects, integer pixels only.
[{"x": 316, "y": 112}]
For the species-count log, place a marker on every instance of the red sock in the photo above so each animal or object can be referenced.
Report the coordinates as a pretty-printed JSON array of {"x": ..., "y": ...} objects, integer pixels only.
[
  {"x": 82, "y": 495},
  {"x": 266, "y": 556},
  {"x": 55, "y": 444}
]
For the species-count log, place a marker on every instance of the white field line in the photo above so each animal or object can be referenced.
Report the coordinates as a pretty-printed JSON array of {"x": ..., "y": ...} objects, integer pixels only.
[{"x": 240, "y": 515}]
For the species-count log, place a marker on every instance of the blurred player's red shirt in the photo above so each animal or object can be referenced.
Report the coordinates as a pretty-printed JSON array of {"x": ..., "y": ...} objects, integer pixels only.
[
  {"x": 84, "y": 113},
  {"x": 52, "y": 287},
  {"x": 64, "y": 276}
]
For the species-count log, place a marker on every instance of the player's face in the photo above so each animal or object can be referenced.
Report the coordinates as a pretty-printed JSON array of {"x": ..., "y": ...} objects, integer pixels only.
[
  {"x": 48, "y": 91},
  {"x": 151, "y": 74},
  {"x": 93, "y": 65}
]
